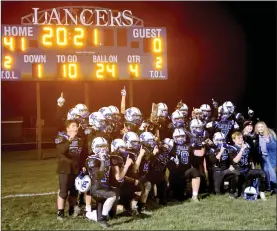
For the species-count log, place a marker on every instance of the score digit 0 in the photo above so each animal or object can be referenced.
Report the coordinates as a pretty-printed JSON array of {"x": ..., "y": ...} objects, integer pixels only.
[
  {"x": 157, "y": 49},
  {"x": 69, "y": 70}
]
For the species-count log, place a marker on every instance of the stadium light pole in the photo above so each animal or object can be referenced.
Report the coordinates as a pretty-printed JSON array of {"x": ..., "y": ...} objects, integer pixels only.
[
  {"x": 86, "y": 94},
  {"x": 131, "y": 93},
  {"x": 39, "y": 128}
]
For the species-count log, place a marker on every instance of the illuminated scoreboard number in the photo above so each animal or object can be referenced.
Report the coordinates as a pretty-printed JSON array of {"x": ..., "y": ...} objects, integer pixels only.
[
  {"x": 134, "y": 70},
  {"x": 67, "y": 36},
  {"x": 7, "y": 62},
  {"x": 104, "y": 70},
  {"x": 68, "y": 70},
  {"x": 37, "y": 70},
  {"x": 157, "y": 49},
  {"x": 13, "y": 44}
]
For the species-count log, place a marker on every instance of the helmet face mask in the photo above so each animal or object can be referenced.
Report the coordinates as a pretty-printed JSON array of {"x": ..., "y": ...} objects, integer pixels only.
[{"x": 178, "y": 119}]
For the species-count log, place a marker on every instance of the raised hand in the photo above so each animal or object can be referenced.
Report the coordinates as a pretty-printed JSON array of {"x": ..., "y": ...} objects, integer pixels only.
[{"x": 61, "y": 100}]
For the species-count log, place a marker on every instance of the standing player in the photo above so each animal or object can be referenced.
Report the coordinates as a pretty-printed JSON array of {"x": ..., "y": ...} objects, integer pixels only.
[{"x": 69, "y": 148}]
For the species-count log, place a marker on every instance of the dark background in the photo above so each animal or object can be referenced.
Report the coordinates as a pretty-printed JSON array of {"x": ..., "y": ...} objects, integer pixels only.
[{"x": 220, "y": 50}]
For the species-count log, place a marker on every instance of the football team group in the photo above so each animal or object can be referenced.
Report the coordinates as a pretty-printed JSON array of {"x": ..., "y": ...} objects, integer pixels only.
[{"x": 113, "y": 159}]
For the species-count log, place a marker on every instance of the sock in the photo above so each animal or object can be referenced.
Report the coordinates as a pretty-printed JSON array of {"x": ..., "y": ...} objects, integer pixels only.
[
  {"x": 71, "y": 210},
  {"x": 194, "y": 193},
  {"x": 61, "y": 212},
  {"x": 108, "y": 204},
  {"x": 88, "y": 208}
]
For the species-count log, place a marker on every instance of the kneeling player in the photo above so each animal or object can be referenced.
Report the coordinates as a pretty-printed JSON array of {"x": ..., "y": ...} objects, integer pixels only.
[
  {"x": 220, "y": 165},
  {"x": 98, "y": 166},
  {"x": 242, "y": 162}
]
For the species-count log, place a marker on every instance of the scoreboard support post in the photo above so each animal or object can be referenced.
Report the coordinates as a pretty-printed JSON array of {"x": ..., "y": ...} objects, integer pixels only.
[
  {"x": 39, "y": 128},
  {"x": 86, "y": 91},
  {"x": 131, "y": 93}
]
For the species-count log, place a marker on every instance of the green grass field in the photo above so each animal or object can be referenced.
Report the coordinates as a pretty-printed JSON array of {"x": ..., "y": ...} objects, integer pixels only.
[{"x": 21, "y": 174}]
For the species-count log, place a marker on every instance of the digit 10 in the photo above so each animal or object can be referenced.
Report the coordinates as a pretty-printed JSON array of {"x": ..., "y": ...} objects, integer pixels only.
[
  {"x": 10, "y": 43},
  {"x": 69, "y": 70}
]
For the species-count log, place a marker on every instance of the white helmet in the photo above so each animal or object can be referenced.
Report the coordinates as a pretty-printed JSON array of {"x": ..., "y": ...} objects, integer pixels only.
[
  {"x": 206, "y": 110},
  {"x": 177, "y": 119},
  {"x": 99, "y": 146},
  {"x": 107, "y": 112},
  {"x": 83, "y": 109},
  {"x": 133, "y": 115},
  {"x": 168, "y": 144},
  {"x": 225, "y": 113},
  {"x": 97, "y": 120},
  {"x": 218, "y": 138},
  {"x": 196, "y": 126},
  {"x": 132, "y": 140},
  {"x": 117, "y": 144},
  {"x": 250, "y": 193},
  {"x": 197, "y": 113},
  {"x": 83, "y": 184},
  {"x": 184, "y": 109},
  {"x": 115, "y": 113},
  {"x": 73, "y": 114},
  {"x": 162, "y": 110},
  {"x": 230, "y": 106},
  {"x": 179, "y": 136},
  {"x": 148, "y": 139}
]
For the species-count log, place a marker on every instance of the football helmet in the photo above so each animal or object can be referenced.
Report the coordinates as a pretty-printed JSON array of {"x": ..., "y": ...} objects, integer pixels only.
[
  {"x": 179, "y": 136},
  {"x": 115, "y": 113},
  {"x": 250, "y": 193},
  {"x": 219, "y": 139},
  {"x": 132, "y": 140},
  {"x": 177, "y": 119},
  {"x": 196, "y": 127},
  {"x": 167, "y": 144},
  {"x": 184, "y": 109},
  {"x": 133, "y": 115},
  {"x": 99, "y": 146},
  {"x": 230, "y": 106},
  {"x": 118, "y": 146},
  {"x": 206, "y": 110},
  {"x": 148, "y": 139},
  {"x": 83, "y": 183},
  {"x": 73, "y": 114},
  {"x": 225, "y": 113},
  {"x": 83, "y": 110},
  {"x": 107, "y": 112}
]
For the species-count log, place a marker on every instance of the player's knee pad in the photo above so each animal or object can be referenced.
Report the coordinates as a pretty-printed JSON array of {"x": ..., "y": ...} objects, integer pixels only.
[{"x": 63, "y": 194}]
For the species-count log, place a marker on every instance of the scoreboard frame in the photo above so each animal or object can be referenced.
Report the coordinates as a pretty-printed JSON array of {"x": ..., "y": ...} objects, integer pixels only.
[{"x": 71, "y": 67}]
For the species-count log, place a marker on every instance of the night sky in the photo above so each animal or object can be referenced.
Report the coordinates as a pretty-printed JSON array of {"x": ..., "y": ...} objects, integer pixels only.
[{"x": 220, "y": 50}]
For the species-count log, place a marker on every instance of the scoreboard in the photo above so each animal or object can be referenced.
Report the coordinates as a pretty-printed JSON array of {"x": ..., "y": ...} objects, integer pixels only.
[{"x": 51, "y": 52}]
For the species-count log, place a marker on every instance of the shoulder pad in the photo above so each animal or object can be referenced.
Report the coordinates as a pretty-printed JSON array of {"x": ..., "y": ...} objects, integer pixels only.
[{"x": 116, "y": 160}]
